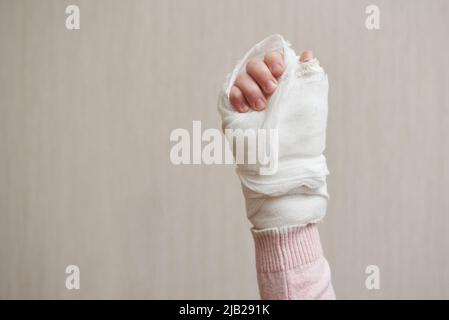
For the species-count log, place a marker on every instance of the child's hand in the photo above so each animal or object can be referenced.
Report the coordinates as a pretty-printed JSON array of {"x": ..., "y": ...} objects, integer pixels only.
[
  {"x": 273, "y": 90},
  {"x": 252, "y": 87}
]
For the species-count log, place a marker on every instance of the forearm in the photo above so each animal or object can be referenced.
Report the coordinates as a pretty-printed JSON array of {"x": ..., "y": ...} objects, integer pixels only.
[
  {"x": 282, "y": 204},
  {"x": 290, "y": 264}
]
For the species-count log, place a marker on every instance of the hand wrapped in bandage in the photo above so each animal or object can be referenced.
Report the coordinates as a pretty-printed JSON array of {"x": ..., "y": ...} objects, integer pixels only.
[{"x": 272, "y": 88}]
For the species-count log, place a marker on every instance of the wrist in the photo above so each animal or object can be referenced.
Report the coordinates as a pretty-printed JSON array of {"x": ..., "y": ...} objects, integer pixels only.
[
  {"x": 286, "y": 248},
  {"x": 297, "y": 209}
]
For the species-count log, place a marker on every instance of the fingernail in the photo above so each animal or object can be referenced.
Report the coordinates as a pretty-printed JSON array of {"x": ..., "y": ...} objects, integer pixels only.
[
  {"x": 306, "y": 56},
  {"x": 271, "y": 86},
  {"x": 260, "y": 104},
  {"x": 278, "y": 68},
  {"x": 244, "y": 108}
]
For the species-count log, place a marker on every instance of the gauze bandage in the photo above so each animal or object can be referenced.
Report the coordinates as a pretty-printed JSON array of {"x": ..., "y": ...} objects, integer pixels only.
[{"x": 291, "y": 189}]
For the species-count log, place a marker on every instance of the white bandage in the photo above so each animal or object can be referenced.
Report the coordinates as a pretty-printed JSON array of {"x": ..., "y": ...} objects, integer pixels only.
[{"x": 295, "y": 193}]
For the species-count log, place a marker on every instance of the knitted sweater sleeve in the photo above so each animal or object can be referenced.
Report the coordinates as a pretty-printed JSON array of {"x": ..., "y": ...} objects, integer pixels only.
[{"x": 290, "y": 264}]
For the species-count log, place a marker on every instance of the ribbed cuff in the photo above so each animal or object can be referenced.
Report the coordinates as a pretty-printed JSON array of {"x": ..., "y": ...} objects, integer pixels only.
[{"x": 286, "y": 248}]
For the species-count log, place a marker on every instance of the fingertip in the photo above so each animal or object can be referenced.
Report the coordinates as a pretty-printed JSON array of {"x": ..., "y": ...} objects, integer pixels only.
[
  {"x": 259, "y": 105},
  {"x": 306, "y": 56},
  {"x": 250, "y": 90},
  {"x": 237, "y": 100},
  {"x": 244, "y": 109}
]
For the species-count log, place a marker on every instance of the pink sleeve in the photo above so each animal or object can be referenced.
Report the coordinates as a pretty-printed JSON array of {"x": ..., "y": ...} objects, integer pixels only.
[{"x": 290, "y": 264}]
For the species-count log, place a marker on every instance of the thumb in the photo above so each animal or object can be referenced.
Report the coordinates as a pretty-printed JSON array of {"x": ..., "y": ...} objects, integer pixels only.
[{"x": 306, "y": 56}]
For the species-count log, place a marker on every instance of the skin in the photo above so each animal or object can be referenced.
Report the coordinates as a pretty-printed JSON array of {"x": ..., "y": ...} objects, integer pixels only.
[{"x": 253, "y": 87}]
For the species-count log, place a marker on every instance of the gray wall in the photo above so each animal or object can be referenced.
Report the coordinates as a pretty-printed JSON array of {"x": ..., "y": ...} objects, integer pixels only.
[{"x": 85, "y": 118}]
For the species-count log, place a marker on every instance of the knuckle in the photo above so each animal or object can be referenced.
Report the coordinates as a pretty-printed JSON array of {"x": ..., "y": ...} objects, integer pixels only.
[
  {"x": 253, "y": 94},
  {"x": 239, "y": 79},
  {"x": 244, "y": 82},
  {"x": 270, "y": 56},
  {"x": 252, "y": 65},
  {"x": 234, "y": 96}
]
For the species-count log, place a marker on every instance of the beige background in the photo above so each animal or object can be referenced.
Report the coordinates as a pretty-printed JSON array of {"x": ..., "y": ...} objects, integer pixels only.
[{"x": 85, "y": 118}]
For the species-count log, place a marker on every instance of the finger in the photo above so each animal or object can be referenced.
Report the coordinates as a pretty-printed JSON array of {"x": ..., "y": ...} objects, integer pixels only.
[
  {"x": 259, "y": 71},
  {"x": 306, "y": 56},
  {"x": 238, "y": 100},
  {"x": 275, "y": 62},
  {"x": 251, "y": 91}
]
